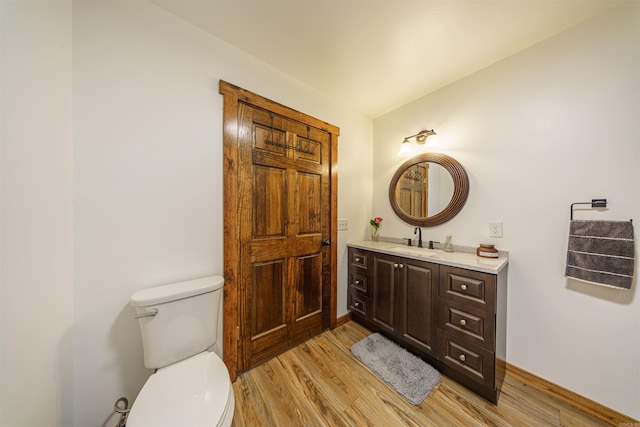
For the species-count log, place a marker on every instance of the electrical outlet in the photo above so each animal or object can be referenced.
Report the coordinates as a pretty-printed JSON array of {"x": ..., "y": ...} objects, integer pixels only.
[
  {"x": 495, "y": 229},
  {"x": 343, "y": 224}
]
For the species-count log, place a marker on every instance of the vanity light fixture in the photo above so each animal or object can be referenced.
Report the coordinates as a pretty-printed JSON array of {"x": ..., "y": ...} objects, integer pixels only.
[{"x": 421, "y": 137}]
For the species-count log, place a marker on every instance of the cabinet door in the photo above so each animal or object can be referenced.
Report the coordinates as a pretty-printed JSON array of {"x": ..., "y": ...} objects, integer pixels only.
[
  {"x": 384, "y": 291},
  {"x": 417, "y": 313}
]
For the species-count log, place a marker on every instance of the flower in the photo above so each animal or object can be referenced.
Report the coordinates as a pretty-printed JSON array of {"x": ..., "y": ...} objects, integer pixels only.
[{"x": 375, "y": 222}]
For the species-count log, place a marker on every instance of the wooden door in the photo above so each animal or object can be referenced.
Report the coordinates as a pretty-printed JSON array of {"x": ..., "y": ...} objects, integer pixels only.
[
  {"x": 282, "y": 276},
  {"x": 412, "y": 192},
  {"x": 284, "y": 216}
]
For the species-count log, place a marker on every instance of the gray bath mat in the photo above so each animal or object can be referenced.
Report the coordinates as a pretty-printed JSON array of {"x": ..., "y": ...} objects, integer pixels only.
[{"x": 406, "y": 373}]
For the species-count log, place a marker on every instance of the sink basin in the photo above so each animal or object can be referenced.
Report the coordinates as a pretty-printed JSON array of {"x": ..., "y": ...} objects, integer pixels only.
[{"x": 414, "y": 251}]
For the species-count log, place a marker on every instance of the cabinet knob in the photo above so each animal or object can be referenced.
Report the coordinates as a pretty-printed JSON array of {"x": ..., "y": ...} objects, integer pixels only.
[
  {"x": 463, "y": 287},
  {"x": 357, "y": 282},
  {"x": 357, "y": 305},
  {"x": 357, "y": 259},
  {"x": 395, "y": 265},
  {"x": 463, "y": 322},
  {"x": 401, "y": 265},
  {"x": 462, "y": 358}
]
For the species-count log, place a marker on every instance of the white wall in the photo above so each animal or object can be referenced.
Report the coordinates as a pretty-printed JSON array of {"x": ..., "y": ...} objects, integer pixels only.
[
  {"x": 119, "y": 191},
  {"x": 36, "y": 307},
  {"x": 148, "y": 174},
  {"x": 549, "y": 126}
]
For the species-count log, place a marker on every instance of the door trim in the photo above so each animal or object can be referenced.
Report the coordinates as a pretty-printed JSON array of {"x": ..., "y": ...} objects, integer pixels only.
[{"x": 232, "y": 95}]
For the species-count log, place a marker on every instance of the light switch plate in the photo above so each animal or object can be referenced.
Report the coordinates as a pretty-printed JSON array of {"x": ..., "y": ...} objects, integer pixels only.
[{"x": 343, "y": 224}]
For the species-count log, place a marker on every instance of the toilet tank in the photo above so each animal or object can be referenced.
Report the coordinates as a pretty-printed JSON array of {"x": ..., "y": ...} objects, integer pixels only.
[{"x": 185, "y": 323}]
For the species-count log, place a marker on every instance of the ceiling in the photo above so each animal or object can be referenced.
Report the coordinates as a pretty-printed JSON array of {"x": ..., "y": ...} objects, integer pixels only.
[{"x": 379, "y": 55}]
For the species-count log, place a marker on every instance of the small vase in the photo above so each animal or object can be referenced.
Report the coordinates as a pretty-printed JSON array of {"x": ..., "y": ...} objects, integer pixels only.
[{"x": 375, "y": 237}]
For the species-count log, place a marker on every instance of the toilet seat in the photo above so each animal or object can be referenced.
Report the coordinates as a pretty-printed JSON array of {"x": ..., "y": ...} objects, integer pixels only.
[{"x": 195, "y": 392}]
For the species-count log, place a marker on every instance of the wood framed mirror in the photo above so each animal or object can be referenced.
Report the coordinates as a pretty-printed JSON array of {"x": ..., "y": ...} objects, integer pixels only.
[{"x": 429, "y": 189}]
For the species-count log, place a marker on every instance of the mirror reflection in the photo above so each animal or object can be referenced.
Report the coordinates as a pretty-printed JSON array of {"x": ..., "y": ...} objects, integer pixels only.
[{"x": 424, "y": 189}]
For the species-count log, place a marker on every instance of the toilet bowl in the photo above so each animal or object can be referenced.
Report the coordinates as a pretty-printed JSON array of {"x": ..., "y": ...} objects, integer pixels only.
[
  {"x": 193, "y": 392},
  {"x": 191, "y": 386}
]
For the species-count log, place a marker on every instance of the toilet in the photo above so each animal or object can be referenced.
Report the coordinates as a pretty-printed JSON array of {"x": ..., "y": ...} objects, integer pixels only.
[{"x": 191, "y": 386}]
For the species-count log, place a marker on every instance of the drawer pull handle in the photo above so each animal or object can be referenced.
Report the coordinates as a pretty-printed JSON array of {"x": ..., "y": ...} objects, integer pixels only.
[
  {"x": 463, "y": 287},
  {"x": 356, "y": 305},
  {"x": 357, "y": 259},
  {"x": 357, "y": 282},
  {"x": 463, "y": 322},
  {"x": 462, "y": 358},
  {"x": 395, "y": 265},
  {"x": 401, "y": 265}
]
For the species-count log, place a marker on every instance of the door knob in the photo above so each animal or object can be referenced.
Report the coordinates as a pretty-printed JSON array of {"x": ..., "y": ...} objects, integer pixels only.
[{"x": 326, "y": 242}]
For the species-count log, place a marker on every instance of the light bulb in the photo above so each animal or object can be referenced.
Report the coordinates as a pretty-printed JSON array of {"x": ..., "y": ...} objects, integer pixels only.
[{"x": 405, "y": 148}]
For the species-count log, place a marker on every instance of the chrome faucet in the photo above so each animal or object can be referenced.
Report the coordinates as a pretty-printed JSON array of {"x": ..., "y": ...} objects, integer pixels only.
[{"x": 418, "y": 230}]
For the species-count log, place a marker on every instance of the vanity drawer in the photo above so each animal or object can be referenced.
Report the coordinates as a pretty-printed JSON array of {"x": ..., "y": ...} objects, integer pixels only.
[
  {"x": 470, "y": 287},
  {"x": 472, "y": 361},
  {"x": 358, "y": 258},
  {"x": 358, "y": 304},
  {"x": 467, "y": 322},
  {"x": 359, "y": 282}
]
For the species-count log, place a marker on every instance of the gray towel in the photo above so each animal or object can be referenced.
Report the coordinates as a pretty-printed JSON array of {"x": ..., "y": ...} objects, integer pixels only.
[{"x": 601, "y": 252}]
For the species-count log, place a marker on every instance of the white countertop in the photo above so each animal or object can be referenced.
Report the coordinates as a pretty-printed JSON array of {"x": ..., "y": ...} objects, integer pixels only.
[{"x": 466, "y": 260}]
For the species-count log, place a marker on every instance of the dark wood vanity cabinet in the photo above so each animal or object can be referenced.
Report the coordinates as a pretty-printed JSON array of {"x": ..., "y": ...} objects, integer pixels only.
[
  {"x": 447, "y": 315},
  {"x": 359, "y": 298},
  {"x": 399, "y": 297},
  {"x": 468, "y": 333}
]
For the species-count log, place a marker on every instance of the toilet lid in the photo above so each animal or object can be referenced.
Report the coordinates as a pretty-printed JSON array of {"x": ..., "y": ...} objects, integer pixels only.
[{"x": 193, "y": 392}]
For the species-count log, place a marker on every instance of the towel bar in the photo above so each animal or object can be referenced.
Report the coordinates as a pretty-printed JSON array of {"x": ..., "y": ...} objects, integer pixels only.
[{"x": 595, "y": 203}]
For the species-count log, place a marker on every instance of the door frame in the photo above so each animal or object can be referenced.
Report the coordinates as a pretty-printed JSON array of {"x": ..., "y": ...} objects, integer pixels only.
[{"x": 232, "y": 96}]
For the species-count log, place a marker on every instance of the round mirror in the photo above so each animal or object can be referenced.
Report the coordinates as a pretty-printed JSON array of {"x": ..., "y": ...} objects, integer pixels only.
[{"x": 429, "y": 189}]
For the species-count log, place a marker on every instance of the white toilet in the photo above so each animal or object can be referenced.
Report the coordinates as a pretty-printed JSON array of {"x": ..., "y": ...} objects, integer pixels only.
[{"x": 191, "y": 386}]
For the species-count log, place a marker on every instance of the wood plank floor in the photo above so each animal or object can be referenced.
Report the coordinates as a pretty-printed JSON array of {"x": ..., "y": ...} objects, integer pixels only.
[{"x": 320, "y": 383}]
